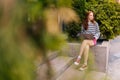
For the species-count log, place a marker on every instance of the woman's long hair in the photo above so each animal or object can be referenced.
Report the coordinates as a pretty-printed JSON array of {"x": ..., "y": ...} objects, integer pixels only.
[{"x": 85, "y": 22}]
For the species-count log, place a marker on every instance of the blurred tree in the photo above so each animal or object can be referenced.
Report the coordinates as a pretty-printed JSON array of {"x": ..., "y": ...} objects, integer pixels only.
[
  {"x": 16, "y": 54},
  {"x": 29, "y": 27}
]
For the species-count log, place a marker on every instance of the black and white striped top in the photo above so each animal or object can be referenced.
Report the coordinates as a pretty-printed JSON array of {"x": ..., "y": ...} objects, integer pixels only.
[{"x": 92, "y": 28}]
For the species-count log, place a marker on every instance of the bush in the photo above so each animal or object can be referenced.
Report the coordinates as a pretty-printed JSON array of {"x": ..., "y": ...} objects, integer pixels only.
[
  {"x": 107, "y": 15},
  {"x": 73, "y": 28}
]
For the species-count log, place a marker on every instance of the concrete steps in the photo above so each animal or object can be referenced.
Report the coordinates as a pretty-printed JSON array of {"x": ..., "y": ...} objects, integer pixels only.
[
  {"x": 50, "y": 55},
  {"x": 58, "y": 66},
  {"x": 73, "y": 73},
  {"x": 62, "y": 68}
]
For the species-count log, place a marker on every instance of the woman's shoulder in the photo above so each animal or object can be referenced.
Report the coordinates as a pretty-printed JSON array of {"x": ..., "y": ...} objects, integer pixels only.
[
  {"x": 93, "y": 23},
  {"x": 96, "y": 23}
]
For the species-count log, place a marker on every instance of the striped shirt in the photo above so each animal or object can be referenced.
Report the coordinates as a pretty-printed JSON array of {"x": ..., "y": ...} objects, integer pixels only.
[{"x": 92, "y": 29}]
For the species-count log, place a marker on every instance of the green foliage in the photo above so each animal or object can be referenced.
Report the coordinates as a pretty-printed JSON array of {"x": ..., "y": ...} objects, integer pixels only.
[
  {"x": 107, "y": 14},
  {"x": 23, "y": 34},
  {"x": 16, "y": 55},
  {"x": 54, "y": 42},
  {"x": 79, "y": 7},
  {"x": 72, "y": 30},
  {"x": 36, "y": 17},
  {"x": 14, "y": 63},
  {"x": 64, "y": 3}
]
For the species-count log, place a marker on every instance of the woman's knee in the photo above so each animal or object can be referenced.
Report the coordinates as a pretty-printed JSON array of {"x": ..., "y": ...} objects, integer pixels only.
[
  {"x": 87, "y": 47},
  {"x": 85, "y": 41},
  {"x": 88, "y": 42}
]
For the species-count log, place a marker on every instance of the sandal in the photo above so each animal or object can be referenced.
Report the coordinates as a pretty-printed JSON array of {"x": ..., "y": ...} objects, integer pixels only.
[{"x": 83, "y": 67}]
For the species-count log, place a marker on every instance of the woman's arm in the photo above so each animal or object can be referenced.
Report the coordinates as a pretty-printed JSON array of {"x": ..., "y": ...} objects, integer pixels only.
[
  {"x": 82, "y": 29},
  {"x": 97, "y": 34}
]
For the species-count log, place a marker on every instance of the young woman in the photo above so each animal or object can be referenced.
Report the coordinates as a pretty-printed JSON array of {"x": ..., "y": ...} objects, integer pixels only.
[{"x": 89, "y": 25}]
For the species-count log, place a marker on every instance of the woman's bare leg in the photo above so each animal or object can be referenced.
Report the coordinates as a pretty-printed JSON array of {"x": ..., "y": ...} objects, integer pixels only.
[
  {"x": 82, "y": 49},
  {"x": 84, "y": 44},
  {"x": 86, "y": 53}
]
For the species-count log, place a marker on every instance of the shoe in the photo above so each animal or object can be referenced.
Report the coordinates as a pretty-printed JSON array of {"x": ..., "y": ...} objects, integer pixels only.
[
  {"x": 77, "y": 61},
  {"x": 83, "y": 67}
]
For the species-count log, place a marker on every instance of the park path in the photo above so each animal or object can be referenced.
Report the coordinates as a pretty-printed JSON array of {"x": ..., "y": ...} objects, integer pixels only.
[{"x": 114, "y": 59}]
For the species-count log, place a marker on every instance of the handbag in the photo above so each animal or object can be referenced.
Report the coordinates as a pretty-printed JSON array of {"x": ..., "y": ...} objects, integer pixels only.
[{"x": 86, "y": 35}]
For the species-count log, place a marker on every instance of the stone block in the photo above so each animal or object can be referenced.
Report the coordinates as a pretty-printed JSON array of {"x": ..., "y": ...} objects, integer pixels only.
[{"x": 100, "y": 53}]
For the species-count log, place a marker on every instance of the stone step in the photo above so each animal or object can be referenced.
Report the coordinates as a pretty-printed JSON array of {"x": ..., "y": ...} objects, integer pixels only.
[
  {"x": 73, "y": 73},
  {"x": 50, "y": 56},
  {"x": 58, "y": 65},
  {"x": 71, "y": 49}
]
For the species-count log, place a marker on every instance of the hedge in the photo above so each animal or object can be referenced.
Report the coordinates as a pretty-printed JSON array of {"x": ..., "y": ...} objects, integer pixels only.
[{"x": 107, "y": 15}]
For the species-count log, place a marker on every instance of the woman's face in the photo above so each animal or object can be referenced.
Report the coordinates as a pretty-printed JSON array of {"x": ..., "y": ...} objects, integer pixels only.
[{"x": 90, "y": 16}]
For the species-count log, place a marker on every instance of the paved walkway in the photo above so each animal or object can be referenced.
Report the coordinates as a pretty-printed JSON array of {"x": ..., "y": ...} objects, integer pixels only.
[{"x": 114, "y": 59}]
